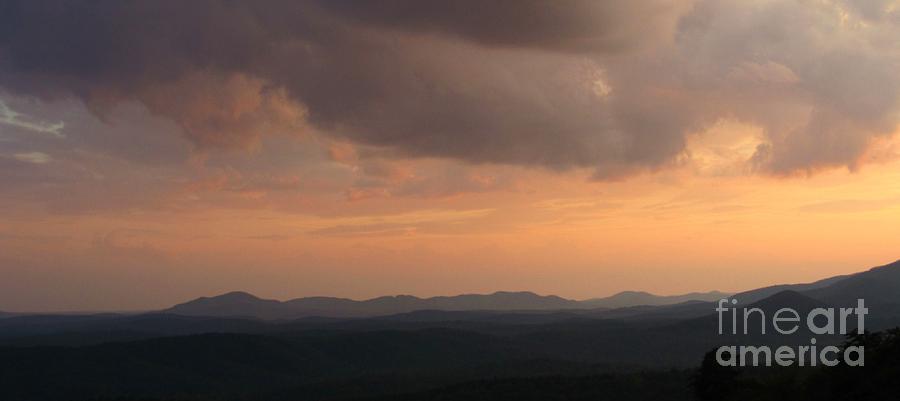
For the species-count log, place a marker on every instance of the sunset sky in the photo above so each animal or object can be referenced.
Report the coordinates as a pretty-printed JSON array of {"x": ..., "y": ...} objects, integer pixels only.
[{"x": 153, "y": 152}]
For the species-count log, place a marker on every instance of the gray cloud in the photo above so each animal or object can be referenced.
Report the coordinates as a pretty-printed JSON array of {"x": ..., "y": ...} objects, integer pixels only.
[
  {"x": 572, "y": 26},
  {"x": 15, "y": 119},
  {"x": 614, "y": 86}
]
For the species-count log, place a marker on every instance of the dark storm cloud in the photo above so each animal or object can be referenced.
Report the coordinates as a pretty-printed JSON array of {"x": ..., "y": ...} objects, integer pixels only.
[
  {"x": 614, "y": 86},
  {"x": 578, "y": 25}
]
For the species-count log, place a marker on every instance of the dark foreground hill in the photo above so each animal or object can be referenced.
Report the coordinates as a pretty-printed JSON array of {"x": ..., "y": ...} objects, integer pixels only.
[
  {"x": 875, "y": 380},
  {"x": 662, "y": 385},
  {"x": 316, "y": 364},
  {"x": 239, "y": 364}
]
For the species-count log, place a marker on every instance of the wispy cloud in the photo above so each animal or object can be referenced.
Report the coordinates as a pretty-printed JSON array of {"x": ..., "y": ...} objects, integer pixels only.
[
  {"x": 11, "y": 117},
  {"x": 851, "y": 205},
  {"x": 33, "y": 157},
  {"x": 367, "y": 229},
  {"x": 403, "y": 224}
]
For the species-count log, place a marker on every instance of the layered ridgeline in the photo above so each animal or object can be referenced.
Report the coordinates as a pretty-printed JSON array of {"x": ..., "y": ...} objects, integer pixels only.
[
  {"x": 218, "y": 348},
  {"x": 247, "y": 305},
  {"x": 244, "y": 313},
  {"x": 880, "y": 286},
  {"x": 244, "y": 304}
]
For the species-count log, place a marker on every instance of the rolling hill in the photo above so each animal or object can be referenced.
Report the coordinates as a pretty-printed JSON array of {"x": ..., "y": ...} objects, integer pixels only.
[{"x": 639, "y": 298}]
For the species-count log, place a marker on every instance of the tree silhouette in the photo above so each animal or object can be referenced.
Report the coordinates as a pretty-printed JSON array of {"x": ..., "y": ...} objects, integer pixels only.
[{"x": 714, "y": 382}]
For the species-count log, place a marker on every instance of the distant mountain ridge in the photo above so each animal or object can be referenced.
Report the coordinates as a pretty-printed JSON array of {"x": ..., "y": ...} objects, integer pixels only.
[
  {"x": 640, "y": 298},
  {"x": 879, "y": 286},
  {"x": 245, "y": 304},
  {"x": 755, "y": 295}
]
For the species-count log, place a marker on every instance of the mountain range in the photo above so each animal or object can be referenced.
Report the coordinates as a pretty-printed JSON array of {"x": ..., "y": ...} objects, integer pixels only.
[
  {"x": 245, "y": 304},
  {"x": 340, "y": 349},
  {"x": 879, "y": 285}
]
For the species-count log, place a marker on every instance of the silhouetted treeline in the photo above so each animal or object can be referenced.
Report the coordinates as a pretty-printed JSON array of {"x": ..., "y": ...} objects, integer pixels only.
[{"x": 878, "y": 380}]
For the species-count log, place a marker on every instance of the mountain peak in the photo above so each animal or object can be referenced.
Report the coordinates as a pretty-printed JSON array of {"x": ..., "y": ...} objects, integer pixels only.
[
  {"x": 517, "y": 293},
  {"x": 237, "y": 296},
  {"x": 633, "y": 293}
]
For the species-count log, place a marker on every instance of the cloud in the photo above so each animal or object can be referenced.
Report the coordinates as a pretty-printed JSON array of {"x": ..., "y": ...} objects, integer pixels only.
[
  {"x": 421, "y": 222},
  {"x": 818, "y": 80},
  {"x": 13, "y": 118},
  {"x": 850, "y": 205},
  {"x": 613, "y": 86},
  {"x": 381, "y": 229},
  {"x": 225, "y": 111},
  {"x": 33, "y": 157},
  {"x": 573, "y": 26}
]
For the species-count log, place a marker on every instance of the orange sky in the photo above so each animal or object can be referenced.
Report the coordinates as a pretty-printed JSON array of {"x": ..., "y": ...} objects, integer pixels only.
[
  {"x": 166, "y": 151},
  {"x": 702, "y": 225}
]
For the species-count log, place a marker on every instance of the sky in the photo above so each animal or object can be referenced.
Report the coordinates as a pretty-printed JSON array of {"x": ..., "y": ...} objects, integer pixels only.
[{"x": 155, "y": 151}]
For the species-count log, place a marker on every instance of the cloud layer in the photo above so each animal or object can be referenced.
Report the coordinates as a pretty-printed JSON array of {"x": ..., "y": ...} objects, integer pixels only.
[{"x": 613, "y": 86}]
